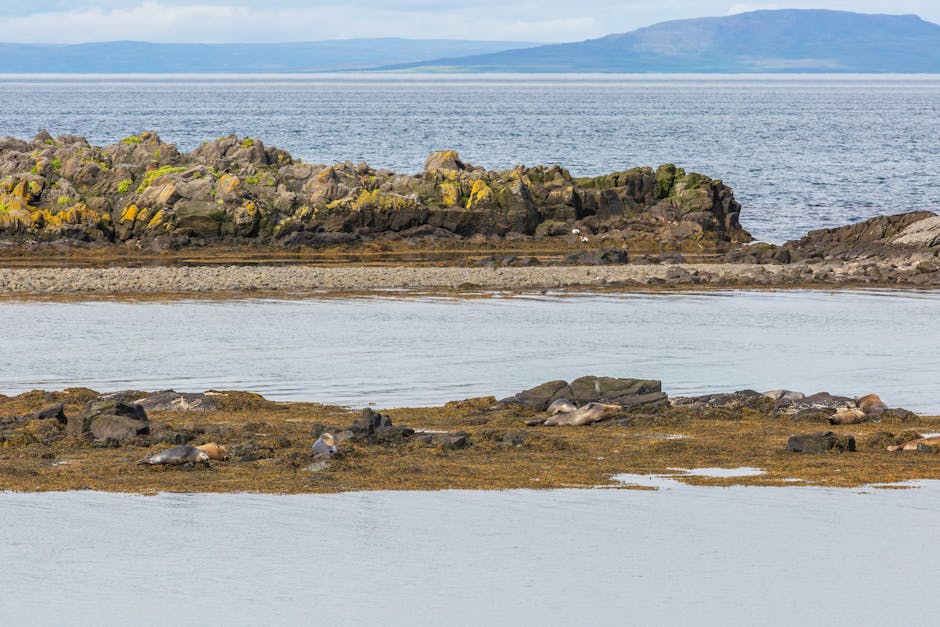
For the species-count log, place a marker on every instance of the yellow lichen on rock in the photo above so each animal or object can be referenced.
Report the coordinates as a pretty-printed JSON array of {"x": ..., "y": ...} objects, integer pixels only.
[
  {"x": 378, "y": 199},
  {"x": 143, "y": 216},
  {"x": 14, "y": 216},
  {"x": 450, "y": 195},
  {"x": 156, "y": 220},
  {"x": 480, "y": 194},
  {"x": 129, "y": 214}
]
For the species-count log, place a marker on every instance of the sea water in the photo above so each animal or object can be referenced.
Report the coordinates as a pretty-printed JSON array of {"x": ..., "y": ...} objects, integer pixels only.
[
  {"x": 801, "y": 152},
  {"x": 394, "y": 352}
]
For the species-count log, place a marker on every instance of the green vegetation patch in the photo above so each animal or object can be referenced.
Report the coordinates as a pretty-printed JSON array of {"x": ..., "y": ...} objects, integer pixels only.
[{"x": 153, "y": 175}]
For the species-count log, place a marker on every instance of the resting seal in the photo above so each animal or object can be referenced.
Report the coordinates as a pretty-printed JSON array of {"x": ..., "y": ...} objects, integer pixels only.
[
  {"x": 787, "y": 395},
  {"x": 871, "y": 404},
  {"x": 325, "y": 445},
  {"x": 590, "y": 413},
  {"x": 216, "y": 452},
  {"x": 913, "y": 444},
  {"x": 177, "y": 456},
  {"x": 561, "y": 406},
  {"x": 848, "y": 417}
]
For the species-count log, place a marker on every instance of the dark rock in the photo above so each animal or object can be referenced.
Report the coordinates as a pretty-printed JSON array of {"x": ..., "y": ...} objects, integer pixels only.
[
  {"x": 199, "y": 218},
  {"x": 393, "y": 435},
  {"x": 56, "y": 410},
  {"x": 117, "y": 428},
  {"x": 928, "y": 448},
  {"x": 820, "y": 442},
  {"x": 82, "y": 422},
  {"x": 679, "y": 275},
  {"x": 672, "y": 257},
  {"x": 629, "y": 393},
  {"x": 898, "y": 415},
  {"x": 541, "y": 396},
  {"x": 646, "y": 402},
  {"x": 724, "y": 406},
  {"x": 868, "y": 238},
  {"x": 370, "y": 422},
  {"x": 742, "y": 399},
  {"x": 881, "y": 440},
  {"x": 514, "y": 437},
  {"x": 169, "y": 400},
  {"x": 448, "y": 441},
  {"x": 609, "y": 389},
  {"x": 820, "y": 402},
  {"x": 600, "y": 257}
]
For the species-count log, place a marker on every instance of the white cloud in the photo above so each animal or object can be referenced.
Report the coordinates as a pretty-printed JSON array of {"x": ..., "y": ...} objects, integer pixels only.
[
  {"x": 214, "y": 21},
  {"x": 160, "y": 22}
]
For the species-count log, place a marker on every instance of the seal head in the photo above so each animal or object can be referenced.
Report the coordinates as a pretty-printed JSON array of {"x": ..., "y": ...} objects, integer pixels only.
[{"x": 325, "y": 445}]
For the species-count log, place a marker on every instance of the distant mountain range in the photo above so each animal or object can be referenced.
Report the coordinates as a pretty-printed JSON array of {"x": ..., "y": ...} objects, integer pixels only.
[
  {"x": 132, "y": 57},
  {"x": 760, "y": 41},
  {"x": 788, "y": 40}
]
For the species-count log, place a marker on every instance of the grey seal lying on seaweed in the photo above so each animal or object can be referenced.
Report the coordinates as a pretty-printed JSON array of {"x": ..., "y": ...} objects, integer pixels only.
[{"x": 176, "y": 456}]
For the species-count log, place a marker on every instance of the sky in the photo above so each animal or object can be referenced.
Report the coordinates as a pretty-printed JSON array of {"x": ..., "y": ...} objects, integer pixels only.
[{"x": 257, "y": 21}]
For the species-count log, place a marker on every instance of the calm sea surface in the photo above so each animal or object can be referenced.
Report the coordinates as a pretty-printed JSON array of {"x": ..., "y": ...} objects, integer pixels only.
[
  {"x": 407, "y": 352},
  {"x": 675, "y": 556},
  {"x": 801, "y": 152}
]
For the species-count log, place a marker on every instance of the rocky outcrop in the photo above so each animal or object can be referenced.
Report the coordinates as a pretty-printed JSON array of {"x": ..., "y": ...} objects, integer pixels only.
[
  {"x": 110, "y": 420},
  {"x": 590, "y": 389},
  {"x": 820, "y": 443},
  {"x": 170, "y": 400},
  {"x": 881, "y": 236},
  {"x": 145, "y": 192},
  {"x": 904, "y": 235}
]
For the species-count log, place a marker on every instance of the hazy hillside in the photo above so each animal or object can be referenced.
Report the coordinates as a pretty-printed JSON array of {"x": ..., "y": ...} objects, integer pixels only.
[
  {"x": 761, "y": 41},
  {"x": 137, "y": 57}
]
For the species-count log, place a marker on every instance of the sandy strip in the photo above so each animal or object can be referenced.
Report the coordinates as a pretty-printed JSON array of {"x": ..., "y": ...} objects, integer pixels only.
[{"x": 303, "y": 279}]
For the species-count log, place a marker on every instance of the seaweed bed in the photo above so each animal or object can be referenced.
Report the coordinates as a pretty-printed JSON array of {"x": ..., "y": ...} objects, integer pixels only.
[{"x": 270, "y": 451}]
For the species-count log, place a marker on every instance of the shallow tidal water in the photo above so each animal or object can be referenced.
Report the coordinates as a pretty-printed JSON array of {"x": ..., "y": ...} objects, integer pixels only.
[
  {"x": 680, "y": 555},
  {"x": 395, "y": 352},
  {"x": 800, "y": 151}
]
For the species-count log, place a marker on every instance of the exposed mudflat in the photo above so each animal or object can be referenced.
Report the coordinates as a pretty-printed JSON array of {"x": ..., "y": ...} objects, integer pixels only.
[{"x": 228, "y": 280}]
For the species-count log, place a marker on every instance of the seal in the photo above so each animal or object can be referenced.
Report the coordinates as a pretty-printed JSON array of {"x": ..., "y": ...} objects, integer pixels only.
[
  {"x": 871, "y": 404},
  {"x": 176, "y": 456},
  {"x": 787, "y": 395},
  {"x": 325, "y": 445},
  {"x": 913, "y": 444},
  {"x": 561, "y": 406},
  {"x": 216, "y": 452},
  {"x": 849, "y": 417},
  {"x": 589, "y": 414}
]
